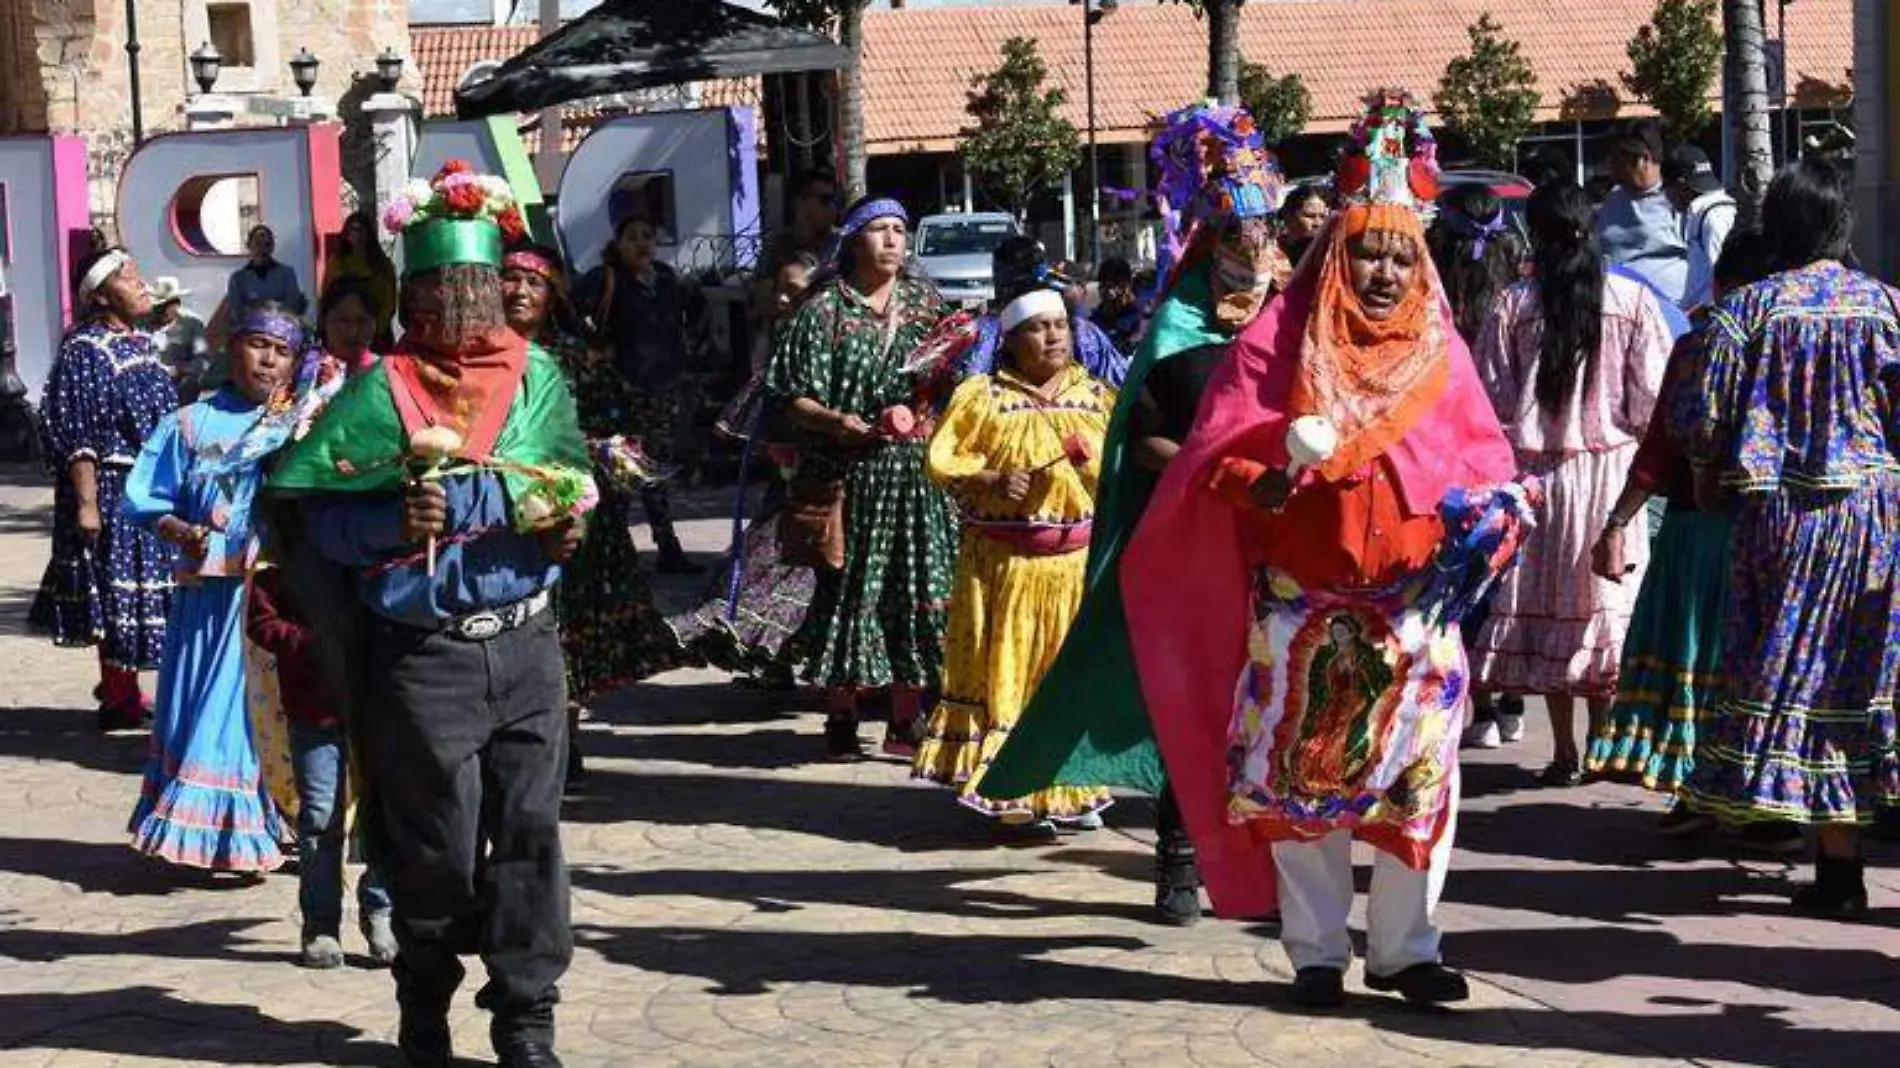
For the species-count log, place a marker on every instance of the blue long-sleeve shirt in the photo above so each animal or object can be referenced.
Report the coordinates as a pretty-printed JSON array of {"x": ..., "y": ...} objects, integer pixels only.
[{"x": 480, "y": 563}]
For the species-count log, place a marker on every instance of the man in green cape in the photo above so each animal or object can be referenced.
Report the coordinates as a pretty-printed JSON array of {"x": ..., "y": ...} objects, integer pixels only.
[
  {"x": 451, "y": 480},
  {"x": 1087, "y": 723}
]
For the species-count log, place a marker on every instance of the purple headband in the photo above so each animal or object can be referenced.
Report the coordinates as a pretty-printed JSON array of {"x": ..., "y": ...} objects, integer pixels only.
[
  {"x": 869, "y": 212},
  {"x": 1482, "y": 233},
  {"x": 271, "y": 323}
]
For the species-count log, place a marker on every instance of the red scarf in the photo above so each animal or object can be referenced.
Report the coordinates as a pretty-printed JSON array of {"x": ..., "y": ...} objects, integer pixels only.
[{"x": 469, "y": 390}]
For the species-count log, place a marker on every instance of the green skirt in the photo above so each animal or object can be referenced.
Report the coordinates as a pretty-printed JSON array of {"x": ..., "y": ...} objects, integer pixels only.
[{"x": 1672, "y": 657}]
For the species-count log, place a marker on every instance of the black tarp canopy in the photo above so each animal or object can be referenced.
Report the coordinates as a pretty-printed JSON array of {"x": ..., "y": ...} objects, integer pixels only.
[{"x": 626, "y": 45}]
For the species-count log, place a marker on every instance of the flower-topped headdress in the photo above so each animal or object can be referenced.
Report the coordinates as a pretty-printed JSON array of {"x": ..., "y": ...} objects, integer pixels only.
[
  {"x": 458, "y": 216},
  {"x": 1393, "y": 158},
  {"x": 1214, "y": 166}
]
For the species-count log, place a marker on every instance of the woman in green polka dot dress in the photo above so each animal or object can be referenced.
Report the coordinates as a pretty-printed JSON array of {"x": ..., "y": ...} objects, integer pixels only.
[{"x": 877, "y": 617}]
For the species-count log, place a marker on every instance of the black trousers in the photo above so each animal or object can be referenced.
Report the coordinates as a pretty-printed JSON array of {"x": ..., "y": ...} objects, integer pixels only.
[{"x": 467, "y": 743}]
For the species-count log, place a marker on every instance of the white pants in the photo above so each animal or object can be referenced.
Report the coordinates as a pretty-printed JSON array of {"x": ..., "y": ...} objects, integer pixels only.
[{"x": 1316, "y": 903}]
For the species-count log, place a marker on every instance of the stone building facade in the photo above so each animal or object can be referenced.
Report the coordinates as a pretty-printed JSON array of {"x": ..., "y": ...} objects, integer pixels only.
[{"x": 63, "y": 64}]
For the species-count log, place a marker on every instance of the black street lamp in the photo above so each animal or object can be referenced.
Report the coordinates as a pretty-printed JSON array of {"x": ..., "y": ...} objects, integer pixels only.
[
  {"x": 132, "y": 65},
  {"x": 303, "y": 71},
  {"x": 205, "y": 64},
  {"x": 1093, "y": 11},
  {"x": 389, "y": 68}
]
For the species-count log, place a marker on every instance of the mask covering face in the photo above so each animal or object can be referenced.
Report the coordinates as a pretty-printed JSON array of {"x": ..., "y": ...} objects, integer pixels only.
[{"x": 1248, "y": 267}]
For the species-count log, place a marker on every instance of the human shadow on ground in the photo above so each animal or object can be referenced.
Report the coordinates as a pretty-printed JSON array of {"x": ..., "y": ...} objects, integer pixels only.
[
  {"x": 897, "y": 815},
  {"x": 960, "y": 968},
  {"x": 1575, "y": 957},
  {"x": 1629, "y": 895},
  {"x": 1758, "y": 1035},
  {"x": 110, "y": 868},
  {"x": 939, "y": 892},
  {"x": 759, "y": 749},
  {"x": 204, "y": 940},
  {"x": 70, "y": 736},
  {"x": 150, "y": 1023},
  {"x": 694, "y": 704}
]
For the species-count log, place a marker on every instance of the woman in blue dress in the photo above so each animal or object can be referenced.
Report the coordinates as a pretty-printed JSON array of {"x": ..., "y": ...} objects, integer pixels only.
[
  {"x": 203, "y": 803},
  {"x": 109, "y": 580}
]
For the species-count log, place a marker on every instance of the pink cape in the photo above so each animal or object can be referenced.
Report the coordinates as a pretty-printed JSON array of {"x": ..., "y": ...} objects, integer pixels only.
[{"x": 1188, "y": 625}]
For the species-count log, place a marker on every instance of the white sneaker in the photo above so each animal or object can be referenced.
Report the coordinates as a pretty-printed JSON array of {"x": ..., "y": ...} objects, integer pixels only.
[
  {"x": 1510, "y": 728},
  {"x": 1483, "y": 735}
]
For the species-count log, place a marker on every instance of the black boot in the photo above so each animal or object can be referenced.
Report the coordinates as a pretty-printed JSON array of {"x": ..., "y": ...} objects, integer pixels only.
[
  {"x": 1177, "y": 877},
  {"x": 1839, "y": 889},
  {"x": 673, "y": 558}
]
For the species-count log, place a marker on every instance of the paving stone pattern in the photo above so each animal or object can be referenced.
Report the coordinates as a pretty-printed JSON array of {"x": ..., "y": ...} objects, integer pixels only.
[{"x": 738, "y": 902}]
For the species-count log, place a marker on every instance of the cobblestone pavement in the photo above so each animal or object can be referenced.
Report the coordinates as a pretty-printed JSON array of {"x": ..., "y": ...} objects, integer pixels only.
[{"x": 738, "y": 903}]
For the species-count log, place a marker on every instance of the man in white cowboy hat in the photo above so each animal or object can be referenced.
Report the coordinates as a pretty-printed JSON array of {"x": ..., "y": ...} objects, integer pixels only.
[{"x": 179, "y": 337}]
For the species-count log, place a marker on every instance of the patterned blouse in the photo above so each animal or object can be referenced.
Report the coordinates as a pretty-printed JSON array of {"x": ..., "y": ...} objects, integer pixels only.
[
  {"x": 1796, "y": 384},
  {"x": 841, "y": 353},
  {"x": 1002, "y": 423},
  {"x": 1610, "y": 408},
  {"x": 108, "y": 390}
]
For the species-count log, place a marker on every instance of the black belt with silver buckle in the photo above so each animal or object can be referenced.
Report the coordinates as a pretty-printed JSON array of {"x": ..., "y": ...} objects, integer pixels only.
[{"x": 483, "y": 625}]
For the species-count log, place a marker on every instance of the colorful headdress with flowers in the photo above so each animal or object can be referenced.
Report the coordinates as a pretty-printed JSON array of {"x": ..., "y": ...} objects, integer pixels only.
[
  {"x": 1393, "y": 158},
  {"x": 1213, "y": 166},
  {"x": 458, "y": 216}
]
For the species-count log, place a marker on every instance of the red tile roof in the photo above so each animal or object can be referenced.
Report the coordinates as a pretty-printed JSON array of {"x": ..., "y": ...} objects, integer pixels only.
[{"x": 1151, "y": 58}]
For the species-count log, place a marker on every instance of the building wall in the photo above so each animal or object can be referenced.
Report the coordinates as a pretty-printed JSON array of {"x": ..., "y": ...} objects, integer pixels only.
[{"x": 63, "y": 65}]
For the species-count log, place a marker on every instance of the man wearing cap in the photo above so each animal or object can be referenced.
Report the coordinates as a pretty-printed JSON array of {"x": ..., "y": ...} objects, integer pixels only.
[
  {"x": 1637, "y": 225},
  {"x": 451, "y": 478},
  {"x": 179, "y": 337},
  {"x": 1708, "y": 214}
]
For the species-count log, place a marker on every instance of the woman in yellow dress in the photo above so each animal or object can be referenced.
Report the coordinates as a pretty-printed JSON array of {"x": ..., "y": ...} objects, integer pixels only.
[{"x": 1021, "y": 451}]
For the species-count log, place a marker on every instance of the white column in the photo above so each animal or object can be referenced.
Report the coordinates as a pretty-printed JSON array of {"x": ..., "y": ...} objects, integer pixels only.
[
  {"x": 550, "y": 161},
  {"x": 392, "y": 121},
  {"x": 1068, "y": 216}
]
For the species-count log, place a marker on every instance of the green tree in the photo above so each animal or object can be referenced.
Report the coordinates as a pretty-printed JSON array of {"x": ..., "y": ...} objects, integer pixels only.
[
  {"x": 1489, "y": 95},
  {"x": 1281, "y": 105},
  {"x": 1020, "y": 141},
  {"x": 1673, "y": 63},
  {"x": 844, "y": 20},
  {"x": 1223, "y": 46}
]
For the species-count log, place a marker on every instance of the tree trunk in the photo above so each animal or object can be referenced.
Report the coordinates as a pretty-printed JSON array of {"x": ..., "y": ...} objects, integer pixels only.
[
  {"x": 851, "y": 100},
  {"x": 1223, "y": 51},
  {"x": 1746, "y": 66}
]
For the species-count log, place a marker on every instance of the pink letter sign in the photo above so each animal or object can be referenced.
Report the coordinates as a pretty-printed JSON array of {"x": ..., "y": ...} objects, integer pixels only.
[{"x": 43, "y": 225}]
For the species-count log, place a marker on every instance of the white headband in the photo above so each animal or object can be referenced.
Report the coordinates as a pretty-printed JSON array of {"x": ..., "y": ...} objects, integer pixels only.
[
  {"x": 107, "y": 266},
  {"x": 1031, "y": 304}
]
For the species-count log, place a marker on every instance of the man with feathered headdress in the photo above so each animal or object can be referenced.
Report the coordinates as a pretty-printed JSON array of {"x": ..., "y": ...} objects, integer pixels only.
[
  {"x": 1294, "y": 589},
  {"x": 451, "y": 478},
  {"x": 1087, "y": 724}
]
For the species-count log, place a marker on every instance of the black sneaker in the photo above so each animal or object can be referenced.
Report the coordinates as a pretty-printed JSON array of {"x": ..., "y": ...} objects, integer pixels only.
[
  {"x": 1423, "y": 984},
  {"x": 1319, "y": 988},
  {"x": 842, "y": 741},
  {"x": 1778, "y": 837}
]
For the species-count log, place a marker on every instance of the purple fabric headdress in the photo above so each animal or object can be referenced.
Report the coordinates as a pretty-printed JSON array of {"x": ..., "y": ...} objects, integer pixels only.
[
  {"x": 1481, "y": 231},
  {"x": 270, "y": 322},
  {"x": 869, "y": 212}
]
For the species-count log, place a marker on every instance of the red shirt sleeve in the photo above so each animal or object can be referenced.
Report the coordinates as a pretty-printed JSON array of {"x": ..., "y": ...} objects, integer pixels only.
[{"x": 267, "y": 625}]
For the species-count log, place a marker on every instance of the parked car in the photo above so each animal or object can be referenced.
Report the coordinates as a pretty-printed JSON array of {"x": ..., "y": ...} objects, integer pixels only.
[{"x": 953, "y": 252}]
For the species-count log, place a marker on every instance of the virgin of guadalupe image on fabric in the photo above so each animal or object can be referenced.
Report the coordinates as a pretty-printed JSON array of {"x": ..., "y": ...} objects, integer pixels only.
[{"x": 1358, "y": 743}]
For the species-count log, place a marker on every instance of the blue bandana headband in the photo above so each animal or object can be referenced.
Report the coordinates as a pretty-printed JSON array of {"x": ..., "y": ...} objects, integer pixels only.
[
  {"x": 869, "y": 212},
  {"x": 285, "y": 328}
]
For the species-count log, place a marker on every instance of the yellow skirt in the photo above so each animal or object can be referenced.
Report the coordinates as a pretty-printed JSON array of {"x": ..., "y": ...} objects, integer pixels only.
[{"x": 1009, "y": 612}]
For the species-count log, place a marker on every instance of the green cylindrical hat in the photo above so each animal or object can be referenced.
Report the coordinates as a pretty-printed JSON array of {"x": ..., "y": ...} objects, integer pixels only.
[{"x": 440, "y": 242}]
